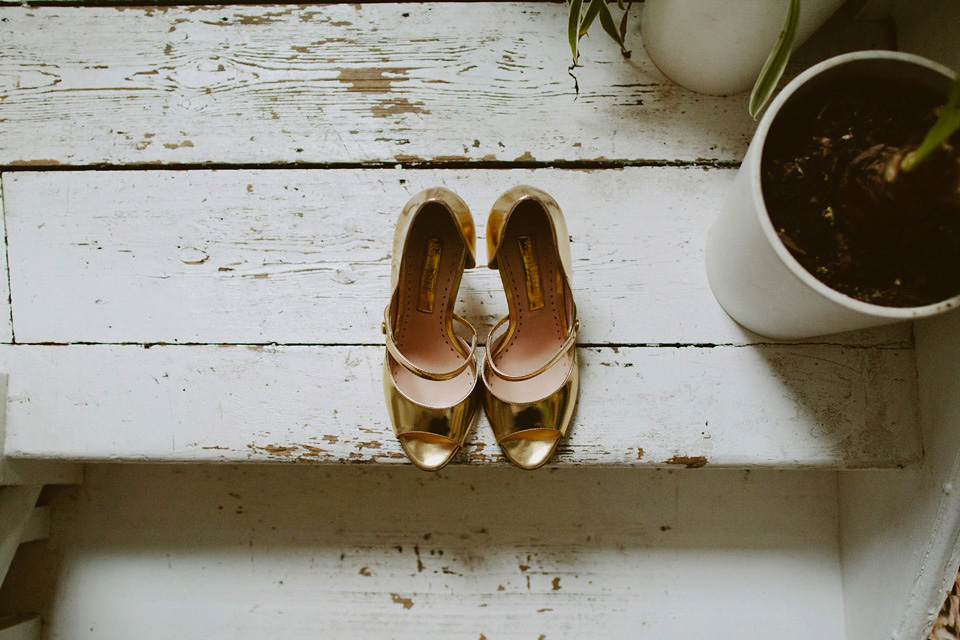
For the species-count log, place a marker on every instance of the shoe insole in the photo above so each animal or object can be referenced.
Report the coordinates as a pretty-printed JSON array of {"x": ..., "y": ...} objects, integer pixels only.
[
  {"x": 531, "y": 271},
  {"x": 432, "y": 265}
]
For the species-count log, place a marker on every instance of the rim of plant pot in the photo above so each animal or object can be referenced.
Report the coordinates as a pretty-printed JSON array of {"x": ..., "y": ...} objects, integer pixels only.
[{"x": 756, "y": 188}]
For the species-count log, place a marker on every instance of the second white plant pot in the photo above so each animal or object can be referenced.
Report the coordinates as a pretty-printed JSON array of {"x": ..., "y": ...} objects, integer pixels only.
[
  {"x": 752, "y": 274},
  {"x": 719, "y": 46}
]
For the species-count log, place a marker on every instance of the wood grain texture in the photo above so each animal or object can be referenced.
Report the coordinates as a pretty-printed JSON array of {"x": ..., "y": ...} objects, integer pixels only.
[
  {"x": 304, "y": 256},
  {"x": 809, "y": 406},
  {"x": 459, "y": 82},
  {"x": 370, "y": 552},
  {"x": 6, "y": 323}
]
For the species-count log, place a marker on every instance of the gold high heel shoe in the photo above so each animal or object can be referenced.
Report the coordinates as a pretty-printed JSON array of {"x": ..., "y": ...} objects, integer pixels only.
[
  {"x": 531, "y": 375},
  {"x": 430, "y": 373}
]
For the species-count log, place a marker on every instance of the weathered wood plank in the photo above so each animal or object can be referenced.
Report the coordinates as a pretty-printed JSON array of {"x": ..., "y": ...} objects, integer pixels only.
[
  {"x": 303, "y": 257},
  {"x": 37, "y": 526},
  {"x": 787, "y": 406},
  {"x": 31, "y": 472},
  {"x": 908, "y": 522},
  {"x": 6, "y": 324},
  {"x": 267, "y": 552},
  {"x": 16, "y": 507},
  {"x": 377, "y": 82},
  {"x": 26, "y": 627}
]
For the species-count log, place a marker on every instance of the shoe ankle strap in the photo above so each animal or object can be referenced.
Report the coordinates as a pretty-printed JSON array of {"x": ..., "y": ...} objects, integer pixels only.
[
  {"x": 394, "y": 351},
  {"x": 568, "y": 344}
]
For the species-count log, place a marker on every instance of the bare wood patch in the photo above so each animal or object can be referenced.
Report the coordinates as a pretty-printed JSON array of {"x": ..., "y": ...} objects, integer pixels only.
[
  {"x": 407, "y": 603},
  {"x": 690, "y": 462}
]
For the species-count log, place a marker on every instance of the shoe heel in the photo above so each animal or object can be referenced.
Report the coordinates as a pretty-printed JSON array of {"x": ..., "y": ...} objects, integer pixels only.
[
  {"x": 501, "y": 210},
  {"x": 430, "y": 376},
  {"x": 461, "y": 216}
]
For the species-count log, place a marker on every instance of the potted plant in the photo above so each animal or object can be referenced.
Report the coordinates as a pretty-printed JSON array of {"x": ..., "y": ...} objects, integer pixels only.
[
  {"x": 692, "y": 67},
  {"x": 719, "y": 46},
  {"x": 846, "y": 210},
  {"x": 581, "y": 15}
]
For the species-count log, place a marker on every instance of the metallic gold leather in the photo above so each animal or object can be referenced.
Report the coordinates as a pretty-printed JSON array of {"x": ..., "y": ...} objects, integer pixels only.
[
  {"x": 554, "y": 412},
  {"x": 409, "y": 417},
  {"x": 394, "y": 352},
  {"x": 532, "y": 448},
  {"x": 458, "y": 210},
  {"x": 491, "y": 351},
  {"x": 529, "y": 432},
  {"x": 431, "y": 436},
  {"x": 504, "y": 207}
]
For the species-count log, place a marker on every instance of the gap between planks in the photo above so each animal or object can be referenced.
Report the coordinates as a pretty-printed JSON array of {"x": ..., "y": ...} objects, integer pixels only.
[
  {"x": 167, "y": 4},
  {"x": 570, "y": 165},
  {"x": 481, "y": 342}
]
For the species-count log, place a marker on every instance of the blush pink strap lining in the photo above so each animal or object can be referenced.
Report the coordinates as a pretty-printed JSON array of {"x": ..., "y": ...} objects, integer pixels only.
[
  {"x": 568, "y": 344},
  {"x": 387, "y": 329}
]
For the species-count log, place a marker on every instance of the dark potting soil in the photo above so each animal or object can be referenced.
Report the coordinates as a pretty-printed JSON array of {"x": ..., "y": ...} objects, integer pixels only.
[{"x": 901, "y": 249}]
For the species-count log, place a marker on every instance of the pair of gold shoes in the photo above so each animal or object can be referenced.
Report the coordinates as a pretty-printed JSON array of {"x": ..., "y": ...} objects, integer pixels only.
[{"x": 530, "y": 374}]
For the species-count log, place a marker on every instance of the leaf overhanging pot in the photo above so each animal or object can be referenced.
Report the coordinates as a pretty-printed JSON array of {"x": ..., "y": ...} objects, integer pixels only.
[
  {"x": 752, "y": 274},
  {"x": 719, "y": 46}
]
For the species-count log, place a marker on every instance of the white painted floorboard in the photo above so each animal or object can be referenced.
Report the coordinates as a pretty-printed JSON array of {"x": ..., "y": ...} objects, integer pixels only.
[
  {"x": 304, "y": 256},
  {"x": 337, "y": 83},
  {"x": 775, "y": 406},
  {"x": 258, "y": 552},
  {"x": 6, "y": 324},
  {"x": 379, "y": 82}
]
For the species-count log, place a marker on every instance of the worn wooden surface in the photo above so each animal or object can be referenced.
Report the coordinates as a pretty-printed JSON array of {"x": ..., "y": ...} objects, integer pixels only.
[
  {"x": 106, "y": 263},
  {"x": 16, "y": 507},
  {"x": 347, "y": 83},
  {"x": 910, "y": 518},
  {"x": 6, "y": 321},
  {"x": 37, "y": 526},
  {"x": 27, "y": 627},
  {"x": 304, "y": 256},
  {"x": 808, "y": 406},
  {"x": 263, "y": 551}
]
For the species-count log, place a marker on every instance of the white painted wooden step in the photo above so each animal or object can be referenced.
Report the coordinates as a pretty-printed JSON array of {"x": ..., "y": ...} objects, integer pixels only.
[
  {"x": 304, "y": 256},
  {"x": 6, "y": 320},
  {"x": 246, "y": 553},
  {"x": 349, "y": 83},
  {"x": 773, "y": 406}
]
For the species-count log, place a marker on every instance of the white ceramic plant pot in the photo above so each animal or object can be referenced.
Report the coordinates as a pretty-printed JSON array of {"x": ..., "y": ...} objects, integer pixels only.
[
  {"x": 719, "y": 46},
  {"x": 753, "y": 275}
]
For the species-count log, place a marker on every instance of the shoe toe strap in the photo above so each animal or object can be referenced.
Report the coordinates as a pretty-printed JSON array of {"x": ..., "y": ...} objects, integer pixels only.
[
  {"x": 568, "y": 344},
  {"x": 394, "y": 351}
]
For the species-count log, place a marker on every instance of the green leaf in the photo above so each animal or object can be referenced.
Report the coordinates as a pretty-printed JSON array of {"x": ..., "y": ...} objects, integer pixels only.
[
  {"x": 606, "y": 21},
  {"x": 623, "y": 24},
  {"x": 946, "y": 125},
  {"x": 592, "y": 9},
  {"x": 776, "y": 61},
  {"x": 573, "y": 27},
  {"x": 620, "y": 5}
]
